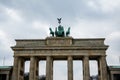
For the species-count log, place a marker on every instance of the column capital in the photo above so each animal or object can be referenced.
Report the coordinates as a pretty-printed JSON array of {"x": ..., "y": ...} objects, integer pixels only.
[
  {"x": 32, "y": 56},
  {"x": 86, "y": 56},
  {"x": 70, "y": 57},
  {"x": 16, "y": 56},
  {"x": 103, "y": 55}
]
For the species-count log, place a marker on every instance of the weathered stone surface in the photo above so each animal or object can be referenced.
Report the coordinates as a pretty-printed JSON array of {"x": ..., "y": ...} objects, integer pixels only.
[
  {"x": 60, "y": 48},
  {"x": 56, "y": 46},
  {"x": 60, "y": 41},
  {"x": 30, "y": 42}
]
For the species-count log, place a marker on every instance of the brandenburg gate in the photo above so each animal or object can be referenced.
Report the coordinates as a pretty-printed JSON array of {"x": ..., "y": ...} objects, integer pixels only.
[{"x": 59, "y": 47}]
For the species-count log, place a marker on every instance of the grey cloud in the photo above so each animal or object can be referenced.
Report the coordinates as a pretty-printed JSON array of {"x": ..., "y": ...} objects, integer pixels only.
[
  {"x": 49, "y": 10},
  {"x": 84, "y": 21}
]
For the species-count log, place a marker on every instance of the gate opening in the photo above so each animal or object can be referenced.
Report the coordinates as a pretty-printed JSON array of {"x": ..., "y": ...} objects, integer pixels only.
[
  {"x": 60, "y": 70},
  {"x": 77, "y": 70}
]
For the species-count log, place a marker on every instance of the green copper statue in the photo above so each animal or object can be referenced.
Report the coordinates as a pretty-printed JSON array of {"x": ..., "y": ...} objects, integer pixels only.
[
  {"x": 59, "y": 31},
  {"x": 68, "y": 31},
  {"x": 51, "y": 32}
]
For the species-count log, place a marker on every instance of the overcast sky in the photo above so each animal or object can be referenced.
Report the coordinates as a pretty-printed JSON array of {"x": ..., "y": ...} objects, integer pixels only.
[{"x": 31, "y": 19}]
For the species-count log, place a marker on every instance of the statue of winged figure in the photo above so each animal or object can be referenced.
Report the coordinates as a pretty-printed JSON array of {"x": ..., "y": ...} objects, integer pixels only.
[{"x": 59, "y": 20}]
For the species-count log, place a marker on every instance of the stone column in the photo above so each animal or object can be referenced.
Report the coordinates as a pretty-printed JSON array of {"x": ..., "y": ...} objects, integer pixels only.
[
  {"x": 103, "y": 68},
  {"x": 112, "y": 78},
  {"x": 98, "y": 61},
  {"x": 70, "y": 68},
  {"x": 33, "y": 68},
  {"x": 49, "y": 68},
  {"x": 7, "y": 77},
  {"x": 15, "y": 69},
  {"x": 37, "y": 69},
  {"x": 31, "y": 74},
  {"x": 86, "y": 72},
  {"x": 21, "y": 69}
]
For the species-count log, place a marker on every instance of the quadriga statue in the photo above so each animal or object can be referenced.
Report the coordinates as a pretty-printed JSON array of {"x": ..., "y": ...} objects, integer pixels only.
[{"x": 59, "y": 31}]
